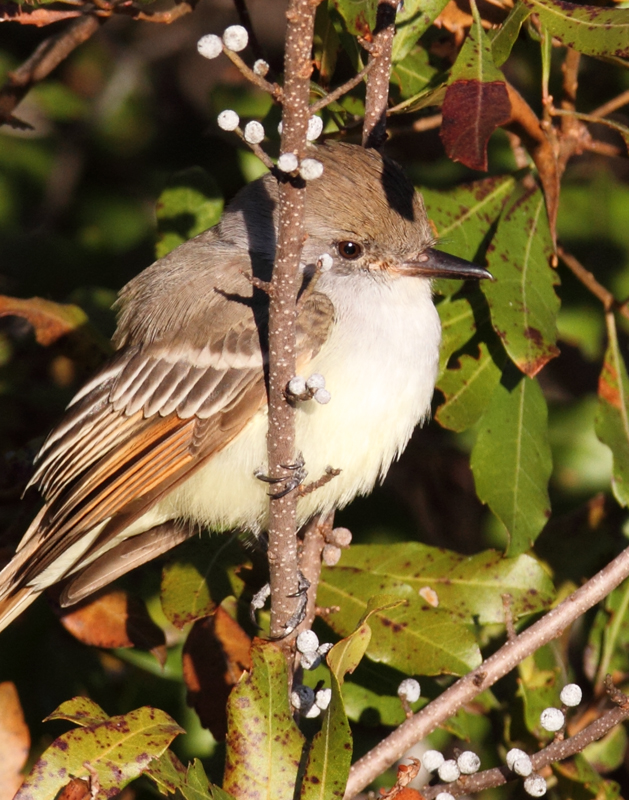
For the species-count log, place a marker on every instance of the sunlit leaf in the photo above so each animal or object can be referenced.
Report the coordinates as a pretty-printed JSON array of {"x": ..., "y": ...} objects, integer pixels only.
[
  {"x": 505, "y": 36},
  {"x": 511, "y": 460},
  {"x": 592, "y": 30},
  {"x": 467, "y": 388},
  {"x": 115, "y": 752},
  {"x": 260, "y": 762},
  {"x": 470, "y": 587},
  {"x": 524, "y": 304},
  {"x": 411, "y": 22}
]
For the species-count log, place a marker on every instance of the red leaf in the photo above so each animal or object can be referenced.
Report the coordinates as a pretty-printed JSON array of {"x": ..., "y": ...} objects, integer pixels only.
[{"x": 472, "y": 111}]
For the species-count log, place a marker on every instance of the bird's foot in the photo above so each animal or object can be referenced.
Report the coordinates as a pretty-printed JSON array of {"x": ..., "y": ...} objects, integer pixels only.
[{"x": 291, "y": 482}]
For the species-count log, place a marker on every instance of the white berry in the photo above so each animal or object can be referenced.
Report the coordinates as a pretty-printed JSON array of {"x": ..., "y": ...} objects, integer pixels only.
[
  {"x": 254, "y": 132},
  {"x": 325, "y": 648},
  {"x": 571, "y": 695},
  {"x": 341, "y": 537},
  {"x": 261, "y": 67},
  {"x": 310, "y": 660},
  {"x": 236, "y": 37},
  {"x": 315, "y": 381},
  {"x": 409, "y": 690},
  {"x": 513, "y": 755},
  {"x": 323, "y": 697},
  {"x": 468, "y": 762},
  {"x": 228, "y": 120},
  {"x": 331, "y": 554},
  {"x": 288, "y": 162},
  {"x": 315, "y": 126},
  {"x": 535, "y": 785},
  {"x": 310, "y": 169},
  {"x": 313, "y": 711},
  {"x": 307, "y": 642},
  {"x": 322, "y": 396},
  {"x": 444, "y": 796},
  {"x": 432, "y": 760},
  {"x": 523, "y": 766},
  {"x": 552, "y": 719},
  {"x": 297, "y": 386},
  {"x": 302, "y": 697},
  {"x": 210, "y": 46},
  {"x": 449, "y": 771}
]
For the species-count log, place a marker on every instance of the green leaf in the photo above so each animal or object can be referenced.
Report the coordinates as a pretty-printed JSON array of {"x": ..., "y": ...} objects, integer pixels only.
[
  {"x": 612, "y": 417},
  {"x": 591, "y": 30},
  {"x": 80, "y": 710},
  {"x": 411, "y": 22},
  {"x": 506, "y": 35},
  {"x": 608, "y": 644},
  {"x": 511, "y": 460},
  {"x": 170, "y": 776},
  {"x": 522, "y": 298},
  {"x": 359, "y": 15},
  {"x": 416, "y": 639},
  {"x": 190, "y": 204},
  {"x": 577, "y": 779},
  {"x": 608, "y": 753},
  {"x": 539, "y": 685},
  {"x": 476, "y": 100},
  {"x": 264, "y": 746},
  {"x": 467, "y": 388},
  {"x": 470, "y": 587},
  {"x": 414, "y": 73},
  {"x": 463, "y": 217},
  {"x": 458, "y": 325},
  {"x": 116, "y": 750},
  {"x": 185, "y": 593}
]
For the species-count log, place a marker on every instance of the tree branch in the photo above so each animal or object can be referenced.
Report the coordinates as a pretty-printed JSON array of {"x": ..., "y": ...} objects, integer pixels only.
[
  {"x": 366, "y": 769},
  {"x": 48, "y": 55},
  {"x": 282, "y": 551},
  {"x": 377, "y": 97}
]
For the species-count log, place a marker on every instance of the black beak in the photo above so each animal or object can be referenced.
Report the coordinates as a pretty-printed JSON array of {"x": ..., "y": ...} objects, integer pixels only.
[{"x": 435, "y": 264}]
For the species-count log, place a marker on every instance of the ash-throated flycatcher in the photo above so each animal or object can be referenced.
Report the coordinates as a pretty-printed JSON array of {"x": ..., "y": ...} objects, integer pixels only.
[{"x": 170, "y": 433}]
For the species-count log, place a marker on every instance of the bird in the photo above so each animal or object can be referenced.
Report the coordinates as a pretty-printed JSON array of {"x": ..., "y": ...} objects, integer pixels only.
[{"x": 169, "y": 436}]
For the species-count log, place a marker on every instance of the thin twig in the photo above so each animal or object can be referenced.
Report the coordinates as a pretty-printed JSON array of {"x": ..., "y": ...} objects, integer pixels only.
[
  {"x": 622, "y": 129},
  {"x": 262, "y": 155},
  {"x": 48, "y": 55},
  {"x": 377, "y": 96},
  {"x": 274, "y": 89},
  {"x": 550, "y": 627},
  {"x": 282, "y": 551},
  {"x": 590, "y": 282},
  {"x": 341, "y": 90},
  {"x": 557, "y": 751},
  {"x": 611, "y": 105}
]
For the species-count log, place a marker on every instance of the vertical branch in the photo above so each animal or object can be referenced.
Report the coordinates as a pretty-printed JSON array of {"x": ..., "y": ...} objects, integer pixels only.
[
  {"x": 282, "y": 307},
  {"x": 374, "y": 126}
]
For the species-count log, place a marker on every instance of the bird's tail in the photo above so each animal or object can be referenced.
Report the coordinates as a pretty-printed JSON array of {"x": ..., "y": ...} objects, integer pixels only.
[
  {"x": 14, "y": 603},
  {"x": 14, "y": 596}
]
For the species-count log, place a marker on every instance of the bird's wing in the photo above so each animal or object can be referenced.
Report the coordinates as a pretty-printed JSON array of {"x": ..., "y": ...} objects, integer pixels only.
[{"x": 152, "y": 416}]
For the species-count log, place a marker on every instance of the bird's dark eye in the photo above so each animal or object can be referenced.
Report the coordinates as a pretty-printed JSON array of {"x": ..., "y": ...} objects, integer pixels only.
[{"x": 350, "y": 250}]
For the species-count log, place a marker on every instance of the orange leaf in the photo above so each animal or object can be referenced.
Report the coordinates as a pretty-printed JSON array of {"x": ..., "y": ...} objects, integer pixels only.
[
  {"x": 15, "y": 741},
  {"x": 214, "y": 657},
  {"x": 114, "y": 619}
]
